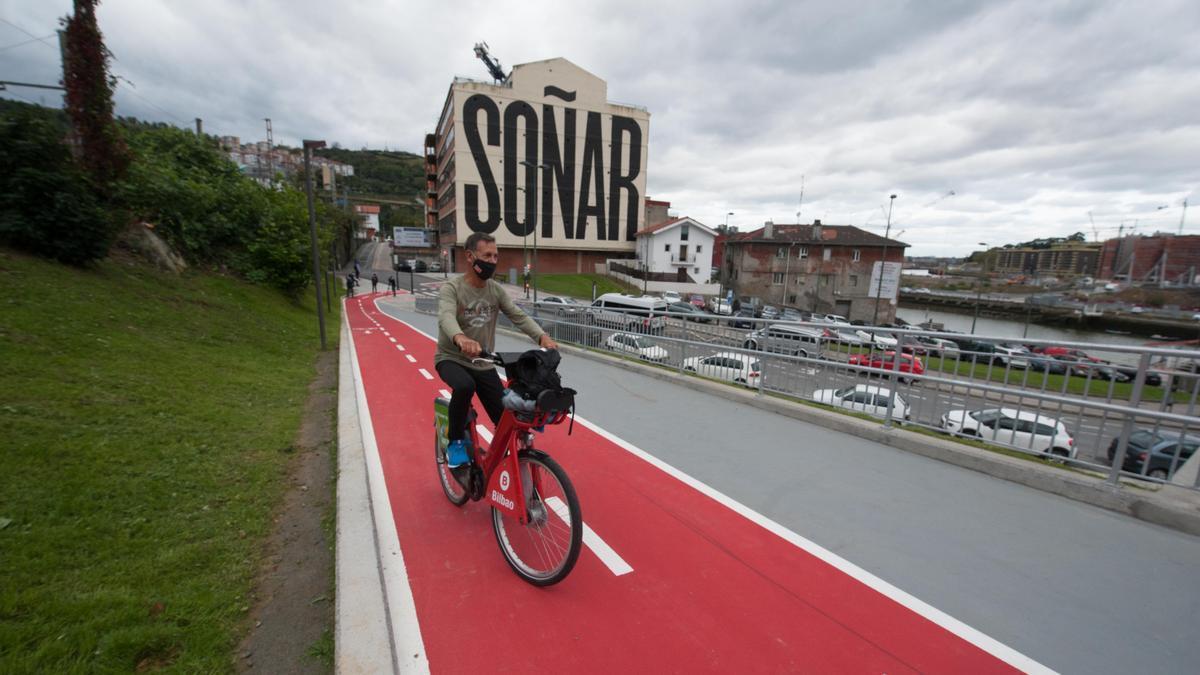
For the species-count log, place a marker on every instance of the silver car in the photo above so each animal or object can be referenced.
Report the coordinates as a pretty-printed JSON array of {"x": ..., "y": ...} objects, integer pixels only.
[{"x": 785, "y": 339}]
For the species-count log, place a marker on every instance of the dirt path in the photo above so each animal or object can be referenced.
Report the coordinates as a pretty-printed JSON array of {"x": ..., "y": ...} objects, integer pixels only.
[{"x": 292, "y": 615}]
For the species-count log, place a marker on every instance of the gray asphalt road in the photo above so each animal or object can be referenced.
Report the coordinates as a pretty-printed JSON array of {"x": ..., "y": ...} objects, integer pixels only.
[{"x": 1075, "y": 587}]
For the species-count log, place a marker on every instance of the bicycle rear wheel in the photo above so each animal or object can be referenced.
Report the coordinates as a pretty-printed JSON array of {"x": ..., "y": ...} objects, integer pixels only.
[{"x": 544, "y": 550}]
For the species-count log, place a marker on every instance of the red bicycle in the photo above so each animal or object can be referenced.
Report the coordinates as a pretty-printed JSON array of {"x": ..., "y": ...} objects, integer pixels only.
[{"x": 535, "y": 513}]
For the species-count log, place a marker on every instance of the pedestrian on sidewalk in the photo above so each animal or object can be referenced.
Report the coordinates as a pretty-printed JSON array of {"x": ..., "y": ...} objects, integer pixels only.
[
  {"x": 374, "y": 282},
  {"x": 392, "y": 284},
  {"x": 350, "y": 285},
  {"x": 357, "y": 273}
]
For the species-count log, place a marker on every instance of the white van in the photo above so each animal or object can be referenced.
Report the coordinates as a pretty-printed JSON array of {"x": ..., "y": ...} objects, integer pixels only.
[{"x": 634, "y": 313}]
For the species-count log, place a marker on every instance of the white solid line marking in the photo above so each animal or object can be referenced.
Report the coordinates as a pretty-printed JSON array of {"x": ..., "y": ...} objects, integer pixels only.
[
  {"x": 410, "y": 358},
  {"x": 921, "y": 608},
  {"x": 917, "y": 606},
  {"x": 402, "y": 610},
  {"x": 615, "y": 563},
  {"x": 444, "y": 392},
  {"x": 425, "y": 374},
  {"x": 391, "y": 338}
]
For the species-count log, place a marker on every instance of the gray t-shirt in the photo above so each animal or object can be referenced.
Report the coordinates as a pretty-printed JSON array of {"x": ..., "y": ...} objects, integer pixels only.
[{"x": 462, "y": 308}]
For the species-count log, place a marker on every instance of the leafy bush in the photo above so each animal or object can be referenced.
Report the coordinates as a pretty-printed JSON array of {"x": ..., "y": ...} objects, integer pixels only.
[{"x": 47, "y": 204}]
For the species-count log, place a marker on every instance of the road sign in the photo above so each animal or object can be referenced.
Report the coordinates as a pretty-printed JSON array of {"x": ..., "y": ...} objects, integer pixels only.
[
  {"x": 891, "y": 281},
  {"x": 414, "y": 237}
]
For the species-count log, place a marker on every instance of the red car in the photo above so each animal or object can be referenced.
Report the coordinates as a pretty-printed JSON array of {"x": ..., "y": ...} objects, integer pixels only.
[
  {"x": 698, "y": 301},
  {"x": 888, "y": 361},
  {"x": 1059, "y": 352}
]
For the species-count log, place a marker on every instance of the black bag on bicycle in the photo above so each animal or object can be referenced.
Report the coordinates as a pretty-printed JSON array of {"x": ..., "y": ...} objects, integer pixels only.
[{"x": 535, "y": 377}]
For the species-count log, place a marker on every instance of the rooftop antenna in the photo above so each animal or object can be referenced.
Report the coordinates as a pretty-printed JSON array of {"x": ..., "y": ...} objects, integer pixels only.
[{"x": 493, "y": 65}]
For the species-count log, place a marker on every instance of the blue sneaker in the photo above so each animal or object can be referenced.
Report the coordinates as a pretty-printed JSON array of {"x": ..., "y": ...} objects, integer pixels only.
[{"x": 457, "y": 455}]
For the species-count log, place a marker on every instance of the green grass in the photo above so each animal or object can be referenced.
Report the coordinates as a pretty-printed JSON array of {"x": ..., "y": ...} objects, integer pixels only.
[
  {"x": 580, "y": 285},
  {"x": 145, "y": 424}
]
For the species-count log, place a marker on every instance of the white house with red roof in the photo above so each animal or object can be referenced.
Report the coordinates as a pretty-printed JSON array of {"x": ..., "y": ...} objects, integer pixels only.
[{"x": 681, "y": 247}]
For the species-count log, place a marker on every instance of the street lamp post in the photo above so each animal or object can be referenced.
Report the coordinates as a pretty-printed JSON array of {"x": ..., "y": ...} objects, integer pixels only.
[
  {"x": 979, "y": 291},
  {"x": 883, "y": 261},
  {"x": 312, "y": 233},
  {"x": 533, "y": 271}
]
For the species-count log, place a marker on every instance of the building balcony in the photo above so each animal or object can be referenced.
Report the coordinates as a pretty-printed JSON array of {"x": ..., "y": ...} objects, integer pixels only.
[{"x": 680, "y": 261}]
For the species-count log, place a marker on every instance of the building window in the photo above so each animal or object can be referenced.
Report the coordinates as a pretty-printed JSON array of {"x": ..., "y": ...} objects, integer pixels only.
[
  {"x": 683, "y": 232},
  {"x": 803, "y": 252},
  {"x": 777, "y": 278},
  {"x": 697, "y": 249},
  {"x": 854, "y": 277},
  {"x": 781, "y": 253},
  {"x": 695, "y": 270},
  {"x": 856, "y": 256},
  {"x": 667, "y": 248},
  {"x": 827, "y": 254}
]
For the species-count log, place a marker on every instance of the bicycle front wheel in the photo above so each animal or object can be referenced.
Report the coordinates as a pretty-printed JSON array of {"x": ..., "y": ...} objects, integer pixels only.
[
  {"x": 455, "y": 492},
  {"x": 543, "y": 550}
]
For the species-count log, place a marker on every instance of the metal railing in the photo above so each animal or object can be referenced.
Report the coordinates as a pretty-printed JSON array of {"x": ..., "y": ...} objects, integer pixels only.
[{"x": 1124, "y": 411}]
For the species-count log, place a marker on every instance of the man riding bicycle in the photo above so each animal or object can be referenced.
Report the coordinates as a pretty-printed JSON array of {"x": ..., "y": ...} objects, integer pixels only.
[{"x": 468, "y": 308}]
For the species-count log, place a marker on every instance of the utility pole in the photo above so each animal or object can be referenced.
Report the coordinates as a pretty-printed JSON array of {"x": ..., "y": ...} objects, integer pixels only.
[
  {"x": 883, "y": 261},
  {"x": 1183, "y": 216},
  {"x": 271, "y": 160},
  {"x": 312, "y": 231}
]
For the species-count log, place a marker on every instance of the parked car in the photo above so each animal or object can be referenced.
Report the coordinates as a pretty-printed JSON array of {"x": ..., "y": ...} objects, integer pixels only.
[
  {"x": 836, "y": 319},
  {"x": 634, "y": 313},
  {"x": 698, "y": 301},
  {"x": 881, "y": 340},
  {"x": 1014, "y": 356},
  {"x": 770, "y": 312},
  {"x": 1046, "y": 364},
  {"x": 672, "y": 297},
  {"x": 979, "y": 351},
  {"x": 561, "y": 305},
  {"x": 939, "y": 346},
  {"x": 404, "y": 266},
  {"x": 720, "y": 306},
  {"x": 843, "y": 336},
  {"x": 1157, "y": 449},
  {"x": 1065, "y": 351},
  {"x": 866, "y": 398},
  {"x": 435, "y": 266},
  {"x": 688, "y": 312},
  {"x": 638, "y": 345},
  {"x": 905, "y": 363},
  {"x": 1096, "y": 371},
  {"x": 743, "y": 318},
  {"x": 729, "y": 366},
  {"x": 785, "y": 339},
  {"x": 419, "y": 266},
  {"x": 790, "y": 314},
  {"x": 1153, "y": 379},
  {"x": 1017, "y": 428}
]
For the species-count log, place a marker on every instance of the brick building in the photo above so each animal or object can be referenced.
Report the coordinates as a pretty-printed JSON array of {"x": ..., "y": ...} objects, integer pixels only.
[
  {"x": 1076, "y": 258},
  {"x": 820, "y": 268},
  {"x": 1160, "y": 258}
]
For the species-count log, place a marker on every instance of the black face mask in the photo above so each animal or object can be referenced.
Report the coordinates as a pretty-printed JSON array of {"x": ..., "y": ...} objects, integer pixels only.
[{"x": 484, "y": 269}]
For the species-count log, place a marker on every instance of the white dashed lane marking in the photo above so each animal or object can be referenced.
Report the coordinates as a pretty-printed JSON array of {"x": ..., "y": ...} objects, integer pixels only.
[
  {"x": 410, "y": 358},
  {"x": 444, "y": 392},
  {"x": 425, "y": 374}
]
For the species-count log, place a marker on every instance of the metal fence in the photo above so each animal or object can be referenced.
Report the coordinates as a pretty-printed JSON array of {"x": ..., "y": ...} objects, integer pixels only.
[{"x": 1122, "y": 410}]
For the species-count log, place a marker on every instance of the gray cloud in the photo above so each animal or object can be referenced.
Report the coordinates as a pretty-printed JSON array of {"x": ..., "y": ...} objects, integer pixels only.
[{"x": 1034, "y": 113}]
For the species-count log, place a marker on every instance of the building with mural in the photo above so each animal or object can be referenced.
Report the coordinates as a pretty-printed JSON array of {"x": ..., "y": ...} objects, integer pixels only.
[{"x": 542, "y": 161}]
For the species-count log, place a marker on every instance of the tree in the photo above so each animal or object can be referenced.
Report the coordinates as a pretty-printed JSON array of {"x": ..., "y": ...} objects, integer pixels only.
[{"x": 89, "y": 97}]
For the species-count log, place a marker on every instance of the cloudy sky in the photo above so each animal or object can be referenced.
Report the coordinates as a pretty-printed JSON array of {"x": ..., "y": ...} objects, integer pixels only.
[{"x": 1033, "y": 113}]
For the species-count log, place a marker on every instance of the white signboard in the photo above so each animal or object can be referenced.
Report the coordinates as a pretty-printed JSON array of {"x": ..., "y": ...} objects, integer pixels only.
[
  {"x": 891, "y": 281},
  {"x": 411, "y": 237}
]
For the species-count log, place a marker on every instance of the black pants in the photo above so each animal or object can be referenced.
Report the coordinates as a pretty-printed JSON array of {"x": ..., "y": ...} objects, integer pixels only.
[{"x": 465, "y": 382}]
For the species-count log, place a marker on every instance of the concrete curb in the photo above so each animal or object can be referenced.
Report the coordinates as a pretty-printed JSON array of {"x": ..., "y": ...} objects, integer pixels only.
[
  {"x": 362, "y": 631},
  {"x": 1172, "y": 507}
]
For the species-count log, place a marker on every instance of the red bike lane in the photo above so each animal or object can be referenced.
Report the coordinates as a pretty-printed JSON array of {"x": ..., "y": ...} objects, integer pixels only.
[{"x": 712, "y": 588}]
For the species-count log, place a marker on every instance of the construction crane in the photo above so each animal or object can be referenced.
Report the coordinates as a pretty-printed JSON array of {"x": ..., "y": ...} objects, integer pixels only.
[
  {"x": 800, "y": 206},
  {"x": 493, "y": 65},
  {"x": 939, "y": 199},
  {"x": 1095, "y": 232}
]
